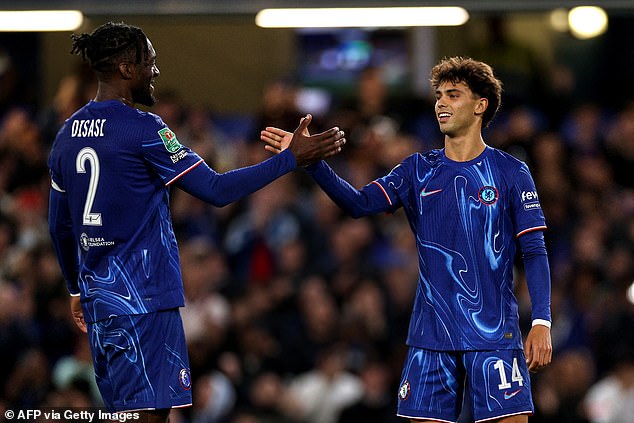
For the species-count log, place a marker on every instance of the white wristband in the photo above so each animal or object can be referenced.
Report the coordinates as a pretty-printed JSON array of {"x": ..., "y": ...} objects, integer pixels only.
[{"x": 541, "y": 322}]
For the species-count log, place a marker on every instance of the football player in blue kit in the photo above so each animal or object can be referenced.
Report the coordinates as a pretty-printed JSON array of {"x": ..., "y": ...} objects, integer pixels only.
[
  {"x": 469, "y": 206},
  {"x": 111, "y": 168}
]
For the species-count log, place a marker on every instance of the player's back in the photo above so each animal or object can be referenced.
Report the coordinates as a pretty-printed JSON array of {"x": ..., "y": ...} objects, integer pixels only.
[{"x": 102, "y": 159}]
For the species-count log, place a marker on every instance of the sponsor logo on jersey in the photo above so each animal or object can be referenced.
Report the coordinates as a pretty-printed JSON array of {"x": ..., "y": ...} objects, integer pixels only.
[
  {"x": 530, "y": 200},
  {"x": 529, "y": 195},
  {"x": 509, "y": 395},
  {"x": 488, "y": 195},
  {"x": 176, "y": 157},
  {"x": 425, "y": 193},
  {"x": 404, "y": 390},
  {"x": 87, "y": 242},
  {"x": 185, "y": 379},
  {"x": 169, "y": 140}
]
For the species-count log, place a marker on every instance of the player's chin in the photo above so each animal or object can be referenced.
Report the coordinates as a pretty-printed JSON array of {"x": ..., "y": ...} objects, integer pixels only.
[{"x": 147, "y": 100}]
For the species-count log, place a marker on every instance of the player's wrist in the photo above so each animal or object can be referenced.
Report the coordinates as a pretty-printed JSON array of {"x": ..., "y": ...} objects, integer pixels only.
[{"x": 542, "y": 322}]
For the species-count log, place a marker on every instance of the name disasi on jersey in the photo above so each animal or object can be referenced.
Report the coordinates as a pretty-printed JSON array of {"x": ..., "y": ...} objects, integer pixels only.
[{"x": 87, "y": 128}]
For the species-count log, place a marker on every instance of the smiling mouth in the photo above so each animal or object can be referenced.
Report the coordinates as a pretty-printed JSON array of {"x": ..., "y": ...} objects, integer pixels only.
[{"x": 442, "y": 117}]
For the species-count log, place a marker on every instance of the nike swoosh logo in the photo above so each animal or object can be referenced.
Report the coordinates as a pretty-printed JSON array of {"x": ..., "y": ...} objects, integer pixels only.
[
  {"x": 512, "y": 394},
  {"x": 424, "y": 193}
]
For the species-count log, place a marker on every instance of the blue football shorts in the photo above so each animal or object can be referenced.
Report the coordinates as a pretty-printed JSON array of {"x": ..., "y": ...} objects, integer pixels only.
[
  {"x": 141, "y": 361},
  {"x": 433, "y": 384}
]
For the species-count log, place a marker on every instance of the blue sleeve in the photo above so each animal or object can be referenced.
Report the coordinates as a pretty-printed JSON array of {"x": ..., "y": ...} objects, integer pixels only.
[
  {"x": 537, "y": 273},
  {"x": 60, "y": 228},
  {"x": 527, "y": 211},
  {"x": 220, "y": 189},
  {"x": 371, "y": 199}
]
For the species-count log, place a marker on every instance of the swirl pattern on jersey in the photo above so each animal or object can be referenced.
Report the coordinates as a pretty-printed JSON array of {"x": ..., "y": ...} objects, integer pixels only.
[{"x": 461, "y": 216}]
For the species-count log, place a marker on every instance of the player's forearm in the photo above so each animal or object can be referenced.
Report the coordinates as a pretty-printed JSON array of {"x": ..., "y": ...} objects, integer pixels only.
[
  {"x": 63, "y": 240},
  {"x": 221, "y": 189},
  {"x": 537, "y": 274},
  {"x": 354, "y": 202}
]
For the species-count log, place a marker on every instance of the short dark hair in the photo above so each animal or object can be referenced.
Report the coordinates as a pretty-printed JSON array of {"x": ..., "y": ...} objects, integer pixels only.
[
  {"x": 110, "y": 44},
  {"x": 477, "y": 75}
]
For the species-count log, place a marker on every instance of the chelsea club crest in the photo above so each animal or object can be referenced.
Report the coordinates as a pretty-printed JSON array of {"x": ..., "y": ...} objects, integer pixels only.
[
  {"x": 185, "y": 379},
  {"x": 488, "y": 195},
  {"x": 403, "y": 391}
]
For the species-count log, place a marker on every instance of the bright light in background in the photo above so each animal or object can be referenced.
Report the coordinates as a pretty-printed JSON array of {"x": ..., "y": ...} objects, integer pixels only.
[
  {"x": 559, "y": 20},
  {"x": 630, "y": 293},
  {"x": 373, "y": 17},
  {"x": 587, "y": 21},
  {"x": 40, "y": 20}
]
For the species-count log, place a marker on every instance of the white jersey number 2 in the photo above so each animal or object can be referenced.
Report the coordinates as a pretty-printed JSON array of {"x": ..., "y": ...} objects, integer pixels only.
[{"x": 89, "y": 155}]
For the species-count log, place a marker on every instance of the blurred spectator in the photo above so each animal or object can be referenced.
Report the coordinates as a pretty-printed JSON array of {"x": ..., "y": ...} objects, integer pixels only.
[
  {"x": 620, "y": 147},
  {"x": 30, "y": 383},
  {"x": 257, "y": 234},
  {"x": 313, "y": 326},
  {"x": 73, "y": 91},
  {"x": 268, "y": 397},
  {"x": 75, "y": 372},
  {"x": 171, "y": 109},
  {"x": 517, "y": 132},
  {"x": 22, "y": 156},
  {"x": 378, "y": 402},
  {"x": 559, "y": 95},
  {"x": 214, "y": 397},
  {"x": 364, "y": 320},
  {"x": 319, "y": 395},
  {"x": 207, "y": 316},
  {"x": 611, "y": 399},
  {"x": 17, "y": 332},
  {"x": 559, "y": 390},
  {"x": 277, "y": 107}
]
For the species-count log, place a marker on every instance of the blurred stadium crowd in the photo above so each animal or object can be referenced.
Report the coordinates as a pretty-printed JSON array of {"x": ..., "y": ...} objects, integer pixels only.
[{"x": 297, "y": 313}]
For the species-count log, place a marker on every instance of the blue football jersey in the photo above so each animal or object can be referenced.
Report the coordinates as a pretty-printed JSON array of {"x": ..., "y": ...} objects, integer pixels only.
[
  {"x": 114, "y": 163},
  {"x": 466, "y": 217}
]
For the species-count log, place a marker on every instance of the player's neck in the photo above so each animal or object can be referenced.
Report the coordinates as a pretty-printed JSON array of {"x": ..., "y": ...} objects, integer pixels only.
[
  {"x": 106, "y": 92},
  {"x": 463, "y": 149}
]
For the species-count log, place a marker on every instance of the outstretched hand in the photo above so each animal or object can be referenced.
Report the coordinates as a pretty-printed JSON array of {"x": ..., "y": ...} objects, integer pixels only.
[
  {"x": 306, "y": 148},
  {"x": 276, "y": 139}
]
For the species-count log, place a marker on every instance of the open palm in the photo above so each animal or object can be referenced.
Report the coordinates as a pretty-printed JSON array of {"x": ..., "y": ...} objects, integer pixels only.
[{"x": 276, "y": 139}]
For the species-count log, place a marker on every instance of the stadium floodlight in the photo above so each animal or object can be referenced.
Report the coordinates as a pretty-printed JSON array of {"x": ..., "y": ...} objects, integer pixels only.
[
  {"x": 361, "y": 17},
  {"x": 587, "y": 21},
  {"x": 40, "y": 20}
]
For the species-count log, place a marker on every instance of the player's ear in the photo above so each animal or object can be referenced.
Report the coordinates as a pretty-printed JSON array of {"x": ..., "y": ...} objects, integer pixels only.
[
  {"x": 481, "y": 106},
  {"x": 125, "y": 69}
]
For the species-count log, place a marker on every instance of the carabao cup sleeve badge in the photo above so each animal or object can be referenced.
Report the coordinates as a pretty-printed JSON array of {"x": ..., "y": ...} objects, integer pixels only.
[{"x": 169, "y": 140}]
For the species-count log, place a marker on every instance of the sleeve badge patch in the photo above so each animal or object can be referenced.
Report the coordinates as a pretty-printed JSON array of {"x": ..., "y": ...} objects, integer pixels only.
[{"x": 169, "y": 140}]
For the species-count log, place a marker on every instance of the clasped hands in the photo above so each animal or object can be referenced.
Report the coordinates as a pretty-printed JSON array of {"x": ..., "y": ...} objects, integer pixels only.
[{"x": 306, "y": 148}]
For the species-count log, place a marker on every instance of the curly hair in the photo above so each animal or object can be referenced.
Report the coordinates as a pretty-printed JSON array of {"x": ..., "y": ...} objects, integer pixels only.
[
  {"x": 110, "y": 44},
  {"x": 478, "y": 76}
]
